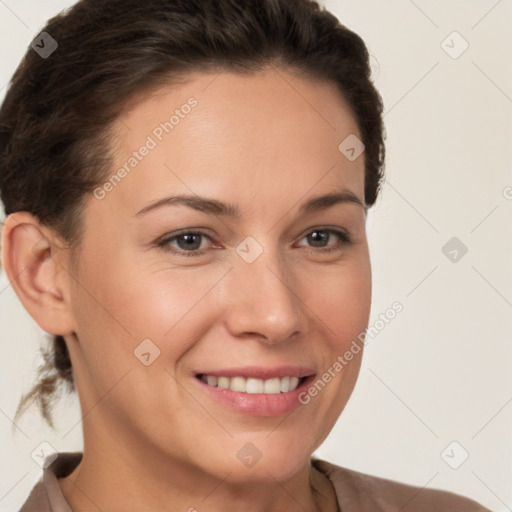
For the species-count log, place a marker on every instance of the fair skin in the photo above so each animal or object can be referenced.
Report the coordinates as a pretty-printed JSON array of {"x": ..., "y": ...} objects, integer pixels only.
[{"x": 267, "y": 143}]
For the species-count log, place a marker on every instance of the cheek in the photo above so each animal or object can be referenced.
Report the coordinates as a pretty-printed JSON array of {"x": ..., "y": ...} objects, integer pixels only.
[
  {"x": 148, "y": 297},
  {"x": 341, "y": 302},
  {"x": 166, "y": 305},
  {"x": 341, "y": 299}
]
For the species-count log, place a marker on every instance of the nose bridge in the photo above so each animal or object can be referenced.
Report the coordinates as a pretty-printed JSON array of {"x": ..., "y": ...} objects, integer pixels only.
[{"x": 263, "y": 301}]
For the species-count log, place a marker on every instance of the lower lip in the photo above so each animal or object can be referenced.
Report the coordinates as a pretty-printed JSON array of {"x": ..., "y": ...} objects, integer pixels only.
[{"x": 257, "y": 404}]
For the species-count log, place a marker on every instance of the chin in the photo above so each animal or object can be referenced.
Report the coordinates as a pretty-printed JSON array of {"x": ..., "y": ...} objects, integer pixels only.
[{"x": 264, "y": 458}]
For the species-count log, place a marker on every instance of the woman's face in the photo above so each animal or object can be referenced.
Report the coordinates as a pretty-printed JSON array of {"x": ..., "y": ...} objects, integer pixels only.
[{"x": 271, "y": 292}]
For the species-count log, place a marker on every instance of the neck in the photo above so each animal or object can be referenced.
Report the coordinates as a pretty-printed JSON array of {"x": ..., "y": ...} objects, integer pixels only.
[
  {"x": 88, "y": 489},
  {"x": 151, "y": 481}
]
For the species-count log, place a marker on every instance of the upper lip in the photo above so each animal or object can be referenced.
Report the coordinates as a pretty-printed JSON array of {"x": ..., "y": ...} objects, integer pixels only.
[{"x": 261, "y": 372}]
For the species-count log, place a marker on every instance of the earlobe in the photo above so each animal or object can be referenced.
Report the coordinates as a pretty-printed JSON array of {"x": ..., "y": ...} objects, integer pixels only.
[{"x": 32, "y": 260}]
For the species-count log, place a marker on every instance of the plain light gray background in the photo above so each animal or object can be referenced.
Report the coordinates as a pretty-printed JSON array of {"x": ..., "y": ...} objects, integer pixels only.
[{"x": 439, "y": 372}]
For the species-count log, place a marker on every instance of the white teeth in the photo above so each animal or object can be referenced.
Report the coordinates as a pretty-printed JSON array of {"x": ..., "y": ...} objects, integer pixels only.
[
  {"x": 272, "y": 386},
  {"x": 254, "y": 386},
  {"x": 223, "y": 382},
  {"x": 237, "y": 384},
  {"x": 211, "y": 380}
]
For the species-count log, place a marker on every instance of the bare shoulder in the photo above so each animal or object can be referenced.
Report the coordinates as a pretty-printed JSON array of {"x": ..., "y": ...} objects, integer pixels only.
[{"x": 363, "y": 492}]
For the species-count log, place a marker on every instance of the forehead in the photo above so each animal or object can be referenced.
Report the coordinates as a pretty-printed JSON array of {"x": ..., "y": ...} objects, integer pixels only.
[{"x": 270, "y": 133}]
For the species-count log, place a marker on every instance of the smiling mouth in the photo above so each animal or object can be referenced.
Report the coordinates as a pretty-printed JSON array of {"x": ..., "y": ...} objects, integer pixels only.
[{"x": 273, "y": 386}]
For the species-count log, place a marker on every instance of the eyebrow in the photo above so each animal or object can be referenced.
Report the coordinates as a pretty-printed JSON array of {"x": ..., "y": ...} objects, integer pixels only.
[{"x": 215, "y": 207}]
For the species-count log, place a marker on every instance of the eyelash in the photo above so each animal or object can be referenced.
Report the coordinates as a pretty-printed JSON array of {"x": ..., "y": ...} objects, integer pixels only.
[{"x": 345, "y": 239}]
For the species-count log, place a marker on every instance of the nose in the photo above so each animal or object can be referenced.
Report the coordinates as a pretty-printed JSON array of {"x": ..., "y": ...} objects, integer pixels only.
[{"x": 261, "y": 300}]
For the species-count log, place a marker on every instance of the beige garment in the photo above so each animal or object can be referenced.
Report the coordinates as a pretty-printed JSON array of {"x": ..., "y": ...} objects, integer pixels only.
[{"x": 356, "y": 492}]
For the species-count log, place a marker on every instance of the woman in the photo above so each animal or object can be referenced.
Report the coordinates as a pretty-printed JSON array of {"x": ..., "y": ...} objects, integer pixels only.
[{"x": 186, "y": 186}]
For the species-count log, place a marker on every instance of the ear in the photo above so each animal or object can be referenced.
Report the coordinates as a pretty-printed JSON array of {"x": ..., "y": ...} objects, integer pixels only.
[{"x": 33, "y": 260}]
